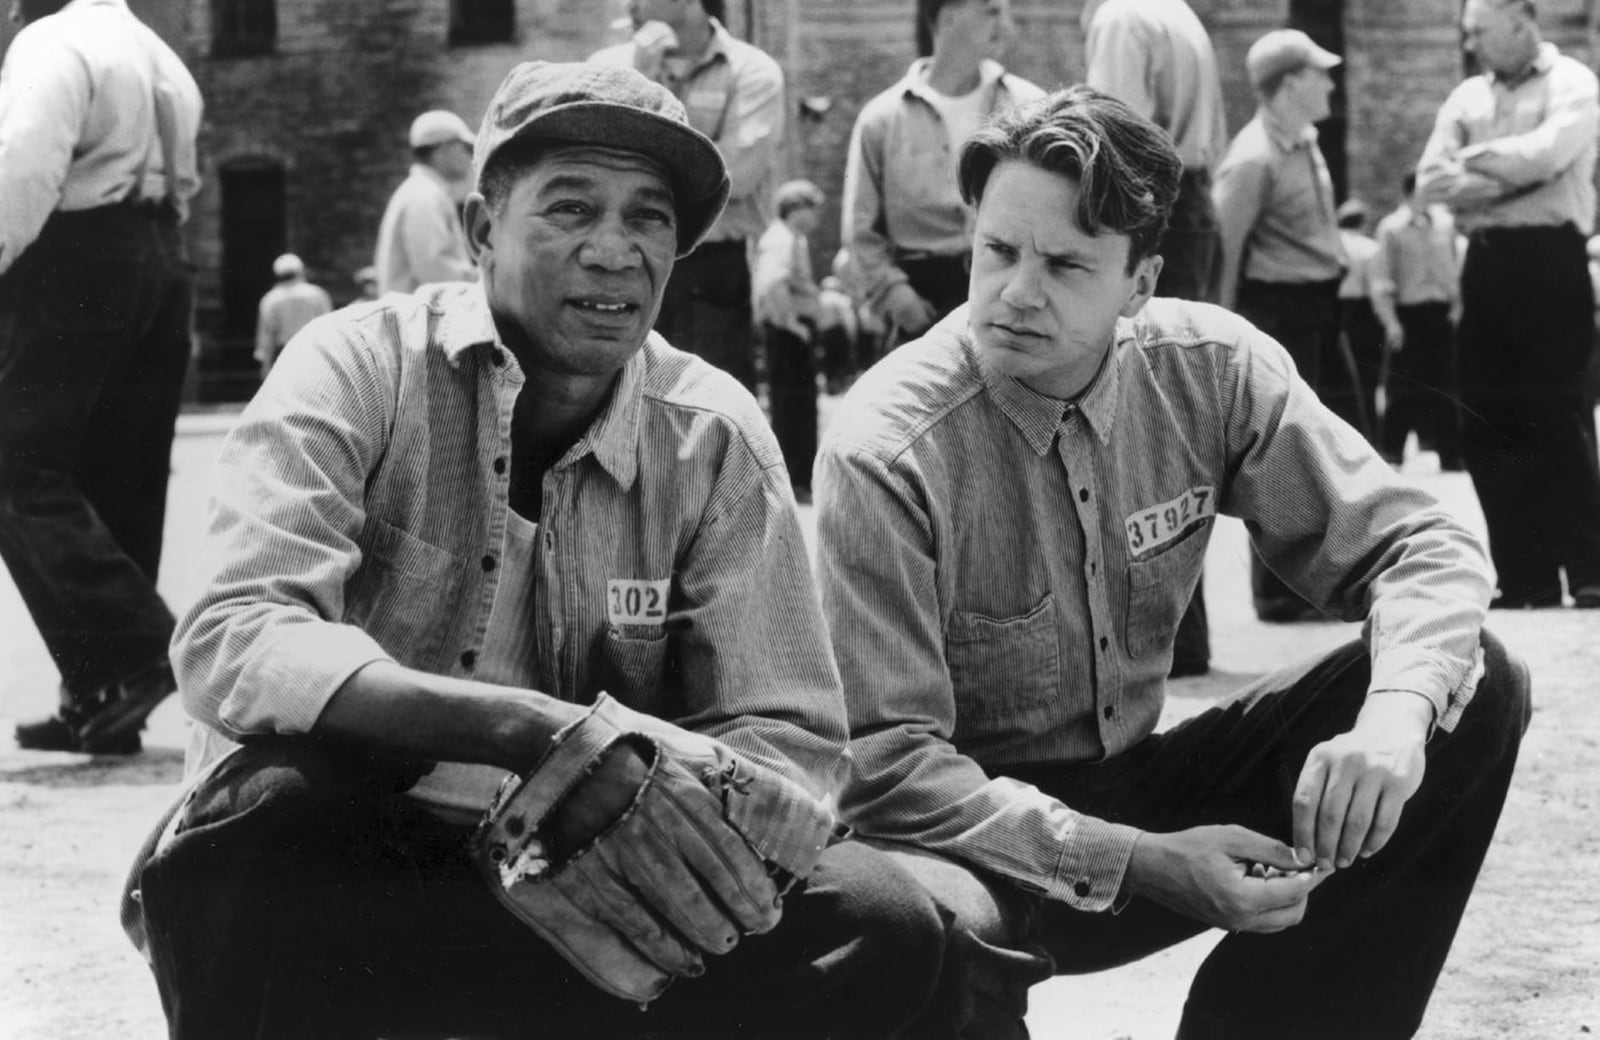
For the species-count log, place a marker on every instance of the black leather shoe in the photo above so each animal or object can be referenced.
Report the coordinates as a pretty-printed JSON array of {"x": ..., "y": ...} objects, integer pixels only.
[
  {"x": 57, "y": 734},
  {"x": 1587, "y": 598},
  {"x": 120, "y": 709}
]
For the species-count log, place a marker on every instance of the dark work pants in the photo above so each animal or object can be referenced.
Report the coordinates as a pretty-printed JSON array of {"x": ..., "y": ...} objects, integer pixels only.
[
  {"x": 1363, "y": 961},
  {"x": 303, "y": 897},
  {"x": 1422, "y": 391},
  {"x": 1191, "y": 269},
  {"x": 706, "y": 309},
  {"x": 1363, "y": 338},
  {"x": 94, "y": 343},
  {"x": 792, "y": 391},
  {"x": 941, "y": 280},
  {"x": 1525, "y": 338},
  {"x": 1304, "y": 318}
]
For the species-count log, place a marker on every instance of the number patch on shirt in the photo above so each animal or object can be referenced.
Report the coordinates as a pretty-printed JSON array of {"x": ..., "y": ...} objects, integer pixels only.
[
  {"x": 1160, "y": 524},
  {"x": 631, "y": 602}
]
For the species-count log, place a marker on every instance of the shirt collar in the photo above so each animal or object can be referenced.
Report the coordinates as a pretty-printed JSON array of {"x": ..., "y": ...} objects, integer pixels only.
[
  {"x": 1037, "y": 417},
  {"x": 612, "y": 438},
  {"x": 1282, "y": 137},
  {"x": 720, "y": 46},
  {"x": 990, "y": 72}
]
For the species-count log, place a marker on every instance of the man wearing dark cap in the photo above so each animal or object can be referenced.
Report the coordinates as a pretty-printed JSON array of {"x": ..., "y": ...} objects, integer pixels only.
[{"x": 458, "y": 534}]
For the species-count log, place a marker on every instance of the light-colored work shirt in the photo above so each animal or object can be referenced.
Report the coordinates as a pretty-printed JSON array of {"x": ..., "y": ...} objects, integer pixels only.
[
  {"x": 734, "y": 93},
  {"x": 285, "y": 310},
  {"x": 84, "y": 95},
  {"x": 1359, "y": 250},
  {"x": 900, "y": 193},
  {"x": 1155, "y": 57},
  {"x": 1417, "y": 260},
  {"x": 360, "y": 514},
  {"x": 782, "y": 281},
  {"x": 1536, "y": 142},
  {"x": 1274, "y": 200},
  {"x": 1003, "y": 573},
  {"x": 420, "y": 238}
]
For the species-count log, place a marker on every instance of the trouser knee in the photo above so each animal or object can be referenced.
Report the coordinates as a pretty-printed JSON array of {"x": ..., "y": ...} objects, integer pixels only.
[{"x": 1504, "y": 697}]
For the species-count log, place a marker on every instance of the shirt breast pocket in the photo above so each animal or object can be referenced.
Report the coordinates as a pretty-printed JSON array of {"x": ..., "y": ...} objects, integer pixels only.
[
  {"x": 633, "y": 665},
  {"x": 395, "y": 594},
  {"x": 1159, "y": 589},
  {"x": 1000, "y": 666}
]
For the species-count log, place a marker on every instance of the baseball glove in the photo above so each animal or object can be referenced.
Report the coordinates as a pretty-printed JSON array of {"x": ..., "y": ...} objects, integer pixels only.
[{"x": 688, "y": 866}]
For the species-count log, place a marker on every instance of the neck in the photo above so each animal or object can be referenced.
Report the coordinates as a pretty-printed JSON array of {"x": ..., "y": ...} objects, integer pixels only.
[
  {"x": 1286, "y": 115},
  {"x": 694, "y": 37},
  {"x": 554, "y": 409},
  {"x": 954, "y": 71}
]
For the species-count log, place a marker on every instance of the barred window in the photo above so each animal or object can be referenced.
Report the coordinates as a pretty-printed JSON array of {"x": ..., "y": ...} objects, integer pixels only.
[
  {"x": 482, "y": 21},
  {"x": 243, "y": 27}
]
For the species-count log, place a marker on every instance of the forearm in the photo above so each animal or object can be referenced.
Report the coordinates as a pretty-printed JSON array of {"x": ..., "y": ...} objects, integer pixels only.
[{"x": 411, "y": 713}]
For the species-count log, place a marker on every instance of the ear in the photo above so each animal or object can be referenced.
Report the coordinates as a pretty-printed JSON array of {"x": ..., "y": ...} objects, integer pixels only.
[
  {"x": 478, "y": 221},
  {"x": 1144, "y": 285}
]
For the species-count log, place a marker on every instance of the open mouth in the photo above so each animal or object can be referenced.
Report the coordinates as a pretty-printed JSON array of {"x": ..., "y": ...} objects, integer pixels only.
[{"x": 604, "y": 307}]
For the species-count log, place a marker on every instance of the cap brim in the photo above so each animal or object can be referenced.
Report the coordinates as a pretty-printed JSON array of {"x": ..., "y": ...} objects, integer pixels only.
[{"x": 699, "y": 178}]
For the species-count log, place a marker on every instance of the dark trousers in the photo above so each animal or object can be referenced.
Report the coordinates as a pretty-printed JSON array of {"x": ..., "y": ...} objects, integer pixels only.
[
  {"x": 1363, "y": 961},
  {"x": 1364, "y": 340},
  {"x": 304, "y": 897},
  {"x": 1422, "y": 389},
  {"x": 706, "y": 309},
  {"x": 792, "y": 391},
  {"x": 941, "y": 280},
  {"x": 94, "y": 342},
  {"x": 1304, "y": 318},
  {"x": 1525, "y": 338},
  {"x": 1191, "y": 269}
]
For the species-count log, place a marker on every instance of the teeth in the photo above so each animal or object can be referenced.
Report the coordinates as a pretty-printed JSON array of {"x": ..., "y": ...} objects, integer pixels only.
[{"x": 606, "y": 308}]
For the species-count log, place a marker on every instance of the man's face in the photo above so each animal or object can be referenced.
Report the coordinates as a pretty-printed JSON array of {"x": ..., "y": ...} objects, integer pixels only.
[
  {"x": 1045, "y": 295},
  {"x": 575, "y": 262},
  {"x": 983, "y": 24},
  {"x": 1311, "y": 89},
  {"x": 453, "y": 160},
  {"x": 1495, "y": 34},
  {"x": 669, "y": 11}
]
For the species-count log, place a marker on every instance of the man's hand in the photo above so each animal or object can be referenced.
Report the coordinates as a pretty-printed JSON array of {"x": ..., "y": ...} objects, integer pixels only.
[
  {"x": 909, "y": 311},
  {"x": 1394, "y": 336},
  {"x": 652, "y": 42},
  {"x": 1212, "y": 875},
  {"x": 1352, "y": 788}
]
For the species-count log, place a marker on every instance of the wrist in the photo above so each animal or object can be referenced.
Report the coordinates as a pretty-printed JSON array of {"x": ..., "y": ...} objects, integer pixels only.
[{"x": 1397, "y": 711}]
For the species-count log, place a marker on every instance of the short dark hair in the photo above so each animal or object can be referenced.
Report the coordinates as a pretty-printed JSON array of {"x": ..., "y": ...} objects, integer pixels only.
[{"x": 1126, "y": 168}]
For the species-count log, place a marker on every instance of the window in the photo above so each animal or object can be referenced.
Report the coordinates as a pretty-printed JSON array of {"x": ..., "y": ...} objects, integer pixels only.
[
  {"x": 482, "y": 21},
  {"x": 243, "y": 27}
]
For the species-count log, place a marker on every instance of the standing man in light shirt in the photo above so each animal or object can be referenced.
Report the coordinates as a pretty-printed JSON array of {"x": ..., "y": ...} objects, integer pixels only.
[
  {"x": 1282, "y": 259},
  {"x": 1416, "y": 292},
  {"x": 1155, "y": 56},
  {"x": 98, "y": 119},
  {"x": 734, "y": 92},
  {"x": 1513, "y": 154},
  {"x": 420, "y": 238},
  {"x": 1011, "y": 513},
  {"x": 903, "y": 220},
  {"x": 286, "y": 309}
]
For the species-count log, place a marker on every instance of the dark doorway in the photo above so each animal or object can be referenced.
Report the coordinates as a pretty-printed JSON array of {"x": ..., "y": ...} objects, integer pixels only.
[{"x": 254, "y": 223}]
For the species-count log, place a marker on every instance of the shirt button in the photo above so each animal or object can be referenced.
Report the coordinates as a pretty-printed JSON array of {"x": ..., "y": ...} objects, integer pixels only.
[
  {"x": 488, "y": 563},
  {"x": 1083, "y": 494},
  {"x": 1105, "y": 644},
  {"x": 1109, "y": 711},
  {"x": 1081, "y": 889},
  {"x": 468, "y": 658},
  {"x": 500, "y": 465}
]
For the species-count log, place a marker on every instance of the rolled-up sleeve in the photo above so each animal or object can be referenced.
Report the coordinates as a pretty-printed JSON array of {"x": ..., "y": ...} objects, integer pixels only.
[
  {"x": 1345, "y": 531},
  {"x": 877, "y": 570},
  {"x": 257, "y": 651}
]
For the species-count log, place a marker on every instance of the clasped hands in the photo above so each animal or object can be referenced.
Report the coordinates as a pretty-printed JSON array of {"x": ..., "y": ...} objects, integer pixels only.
[{"x": 1346, "y": 805}]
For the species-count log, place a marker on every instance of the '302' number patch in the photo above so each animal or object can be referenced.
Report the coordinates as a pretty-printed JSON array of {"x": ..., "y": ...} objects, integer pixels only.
[
  {"x": 631, "y": 602},
  {"x": 1160, "y": 524}
]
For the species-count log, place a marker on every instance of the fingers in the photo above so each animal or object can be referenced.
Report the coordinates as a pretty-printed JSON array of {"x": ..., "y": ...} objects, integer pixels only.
[
  {"x": 590, "y": 884},
  {"x": 1357, "y": 824},
  {"x": 718, "y": 855},
  {"x": 1307, "y": 805},
  {"x": 1384, "y": 822}
]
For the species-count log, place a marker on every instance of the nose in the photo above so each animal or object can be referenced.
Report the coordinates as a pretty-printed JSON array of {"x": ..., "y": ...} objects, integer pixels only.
[
  {"x": 610, "y": 247},
  {"x": 1022, "y": 289}
]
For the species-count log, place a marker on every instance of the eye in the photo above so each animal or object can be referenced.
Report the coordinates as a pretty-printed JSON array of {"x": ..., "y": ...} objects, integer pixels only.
[
  {"x": 654, "y": 216},
  {"x": 1001, "y": 250}
]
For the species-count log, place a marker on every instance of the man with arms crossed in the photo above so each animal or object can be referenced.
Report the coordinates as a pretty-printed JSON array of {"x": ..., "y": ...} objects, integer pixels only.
[
  {"x": 445, "y": 525},
  {"x": 1012, "y": 512}
]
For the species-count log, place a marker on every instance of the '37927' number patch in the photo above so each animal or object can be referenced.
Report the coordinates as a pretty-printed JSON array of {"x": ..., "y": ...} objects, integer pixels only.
[
  {"x": 1160, "y": 524},
  {"x": 630, "y": 602}
]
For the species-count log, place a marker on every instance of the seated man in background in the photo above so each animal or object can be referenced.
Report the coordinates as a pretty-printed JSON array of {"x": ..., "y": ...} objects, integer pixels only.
[
  {"x": 447, "y": 523},
  {"x": 1012, "y": 512}
]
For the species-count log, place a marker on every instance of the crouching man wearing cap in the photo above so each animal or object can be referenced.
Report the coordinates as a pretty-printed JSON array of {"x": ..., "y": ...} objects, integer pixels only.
[{"x": 498, "y": 531}]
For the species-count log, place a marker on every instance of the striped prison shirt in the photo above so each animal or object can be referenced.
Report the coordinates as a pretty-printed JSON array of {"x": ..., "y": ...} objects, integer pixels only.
[{"x": 1003, "y": 573}]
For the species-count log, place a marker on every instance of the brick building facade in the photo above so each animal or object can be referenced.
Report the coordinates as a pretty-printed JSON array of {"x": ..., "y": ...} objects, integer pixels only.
[{"x": 308, "y": 101}]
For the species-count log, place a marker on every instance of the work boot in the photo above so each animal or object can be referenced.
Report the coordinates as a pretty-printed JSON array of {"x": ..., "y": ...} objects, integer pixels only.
[{"x": 108, "y": 721}]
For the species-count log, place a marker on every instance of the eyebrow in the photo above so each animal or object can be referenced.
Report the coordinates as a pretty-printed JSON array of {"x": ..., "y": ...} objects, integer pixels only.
[{"x": 582, "y": 182}]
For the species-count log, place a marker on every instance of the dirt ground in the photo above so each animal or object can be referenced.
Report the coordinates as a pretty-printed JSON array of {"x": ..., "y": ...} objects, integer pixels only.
[{"x": 1525, "y": 965}]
